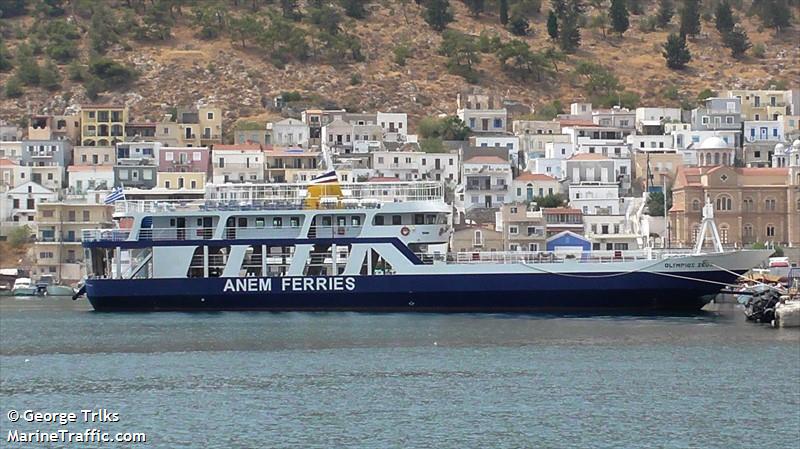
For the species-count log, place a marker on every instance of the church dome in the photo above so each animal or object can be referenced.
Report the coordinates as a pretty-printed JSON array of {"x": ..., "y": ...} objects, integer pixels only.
[
  {"x": 713, "y": 143},
  {"x": 780, "y": 148},
  {"x": 796, "y": 145}
]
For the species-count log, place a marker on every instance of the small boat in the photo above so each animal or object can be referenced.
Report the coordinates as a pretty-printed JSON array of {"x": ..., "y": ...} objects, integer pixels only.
[
  {"x": 787, "y": 313},
  {"x": 23, "y": 287},
  {"x": 48, "y": 286}
]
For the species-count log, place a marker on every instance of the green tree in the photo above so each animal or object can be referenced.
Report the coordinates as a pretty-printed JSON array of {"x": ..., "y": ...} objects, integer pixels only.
[
  {"x": 775, "y": 14},
  {"x": 552, "y": 25},
  {"x": 13, "y": 8},
  {"x": 665, "y": 12},
  {"x": 598, "y": 80},
  {"x": 432, "y": 145},
  {"x": 619, "y": 16},
  {"x": 113, "y": 74},
  {"x": 724, "y": 19},
  {"x": 19, "y": 236},
  {"x": 438, "y": 14},
  {"x": 462, "y": 53},
  {"x": 290, "y": 9},
  {"x": 76, "y": 71},
  {"x": 401, "y": 53},
  {"x": 635, "y": 7},
  {"x": 27, "y": 68},
  {"x": 519, "y": 26},
  {"x": 705, "y": 94},
  {"x": 690, "y": 18},
  {"x": 325, "y": 17},
  {"x": 553, "y": 200},
  {"x": 503, "y": 6},
  {"x": 655, "y": 204},
  {"x": 103, "y": 29},
  {"x": 737, "y": 41},
  {"x": 517, "y": 59},
  {"x": 93, "y": 86},
  {"x": 244, "y": 29},
  {"x": 13, "y": 88},
  {"x": 676, "y": 52},
  {"x": 157, "y": 22},
  {"x": 49, "y": 8},
  {"x": 210, "y": 19},
  {"x": 5, "y": 57},
  {"x": 50, "y": 77},
  {"x": 446, "y": 128},
  {"x": 569, "y": 14},
  {"x": 476, "y": 7},
  {"x": 354, "y": 8}
]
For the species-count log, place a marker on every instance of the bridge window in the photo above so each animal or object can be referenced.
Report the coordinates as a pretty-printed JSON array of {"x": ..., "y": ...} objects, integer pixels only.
[{"x": 397, "y": 220}]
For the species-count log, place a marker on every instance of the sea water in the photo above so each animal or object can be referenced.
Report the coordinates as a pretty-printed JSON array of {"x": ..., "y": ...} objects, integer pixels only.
[{"x": 332, "y": 380}]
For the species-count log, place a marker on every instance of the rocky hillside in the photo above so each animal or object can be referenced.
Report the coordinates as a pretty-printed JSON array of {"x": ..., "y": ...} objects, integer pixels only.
[{"x": 184, "y": 67}]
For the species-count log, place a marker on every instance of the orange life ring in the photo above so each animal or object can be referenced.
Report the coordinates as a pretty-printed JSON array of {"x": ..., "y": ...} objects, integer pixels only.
[{"x": 405, "y": 231}]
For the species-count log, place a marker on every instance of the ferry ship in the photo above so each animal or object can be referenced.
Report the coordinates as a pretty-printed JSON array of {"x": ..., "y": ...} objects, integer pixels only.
[{"x": 365, "y": 247}]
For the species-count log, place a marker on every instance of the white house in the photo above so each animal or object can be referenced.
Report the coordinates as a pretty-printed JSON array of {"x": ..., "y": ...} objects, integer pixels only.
[
  {"x": 482, "y": 113},
  {"x": 595, "y": 198},
  {"x": 289, "y": 132},
  {"x": 763, "y": 131},
  {"x": 237, "y": 163},
  {"x": 18, "y": 205},
  {"x": 645, "y": 142},
  {"x": 416, "y": 165},
  {"x": 528, "y": 186},
  {"x": 486, "y": 181},
  {"x": 656, "y": 117},
  {"x": 394, "y": 126},
  {"x": 83, "y": 178},
  {"x": 13, "y": 174}
]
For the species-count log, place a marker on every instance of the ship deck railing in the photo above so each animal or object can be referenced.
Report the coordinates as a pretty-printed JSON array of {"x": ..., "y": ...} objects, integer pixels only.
[
  {"x": 506, "y": 257},
  {"x": 251, "y": 197},
  {"x": 331, "y": 231}
]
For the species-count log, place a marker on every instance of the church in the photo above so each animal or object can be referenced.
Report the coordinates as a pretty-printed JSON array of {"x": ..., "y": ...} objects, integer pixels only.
[{"x": 751, "y": 205}]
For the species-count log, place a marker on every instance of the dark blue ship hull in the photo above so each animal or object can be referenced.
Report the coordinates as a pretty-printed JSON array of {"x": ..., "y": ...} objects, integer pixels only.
[{"x": 425, "y": 293}]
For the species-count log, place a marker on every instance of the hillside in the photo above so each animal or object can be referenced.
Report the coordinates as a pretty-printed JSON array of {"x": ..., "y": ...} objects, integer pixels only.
[{"x": 184, "y": 68}]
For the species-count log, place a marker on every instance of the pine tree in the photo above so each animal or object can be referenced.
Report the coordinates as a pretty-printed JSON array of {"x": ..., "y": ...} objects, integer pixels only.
[
  {"x": 723, "y": 16},
  {"x": 438, "y": 14},
  {"x": 552, "y": 25},
  {"x": 503, "y": 11},
  {"x": 676, "y": 52},
  {"x": 476, "y": 7},
  {"x": 50, "y": 77},
  {"x": 14, "y": 87},
  {"x": 736, "y": 39},
  {"x": 775, "y": 14},
  {"x": 635, "y": 7},
  {"x": 690, "y": 18},
  {"x": 5, "y": 58},
  {"x": 569, "y": 14},
  {"x": 519, "y": 26},
  {"x": 289, "y": 9},
  {"x": 665, "y": 12},
  {"x": 27, "y": 68},
  {"x": 619, "y": 16},
  {"x": 354, "y": 8}
]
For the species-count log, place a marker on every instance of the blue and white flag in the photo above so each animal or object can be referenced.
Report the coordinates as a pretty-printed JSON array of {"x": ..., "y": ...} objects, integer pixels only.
[
  {"x": 116, "y": 194},
  {"x": 325, "y": 178}
]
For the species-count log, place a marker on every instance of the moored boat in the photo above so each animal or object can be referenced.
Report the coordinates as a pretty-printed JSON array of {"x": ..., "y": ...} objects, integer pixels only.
[
  {"x": 23, "y": 287},
  {"x": 364, "y": 246}
]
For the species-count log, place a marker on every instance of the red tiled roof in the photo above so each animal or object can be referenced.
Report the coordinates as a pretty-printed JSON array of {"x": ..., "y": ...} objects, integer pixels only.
[
  {"x": 485, "y": 160},
  {"x": 239, "y": 147},
  {"x": 562, "y": 210},
  {"x": 528, "y": 176},
  {"x": 763, "y": 171},
  {"x": 7, "y": 163},
  {"x": 588, "y": 157}
]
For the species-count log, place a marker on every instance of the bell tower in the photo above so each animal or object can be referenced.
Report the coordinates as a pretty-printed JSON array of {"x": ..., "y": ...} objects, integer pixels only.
[{"x": 794, "y": 193}]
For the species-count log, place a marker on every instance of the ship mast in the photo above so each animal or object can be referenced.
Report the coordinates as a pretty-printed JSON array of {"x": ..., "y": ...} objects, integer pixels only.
[{"x": 708, "y": 225}]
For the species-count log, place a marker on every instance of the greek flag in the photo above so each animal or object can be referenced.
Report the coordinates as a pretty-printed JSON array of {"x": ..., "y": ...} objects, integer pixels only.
[
  {"x": 116, "y": 194},
  {"x": 325, "y": 178}
]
